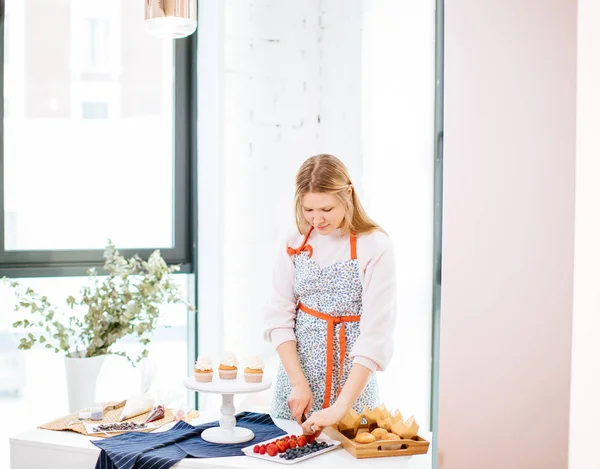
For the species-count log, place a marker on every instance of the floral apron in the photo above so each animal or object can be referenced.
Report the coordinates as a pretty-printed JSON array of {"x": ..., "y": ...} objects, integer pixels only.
[{"x": 327, "y": 325}]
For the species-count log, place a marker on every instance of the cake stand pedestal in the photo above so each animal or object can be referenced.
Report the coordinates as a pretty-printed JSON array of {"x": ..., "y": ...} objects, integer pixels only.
[{"x": 227, "y": 432}]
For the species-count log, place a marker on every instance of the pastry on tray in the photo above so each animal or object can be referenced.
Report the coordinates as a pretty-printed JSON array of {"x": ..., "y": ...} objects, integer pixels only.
[
  {"x": 349, "y": 424},
  {"x": 371, "y": 417},
  {"x": 380, "y": 433},
  {"x": 385, "y": 423},
  {"x": 364, "y": 438},
  {"x": 228, "y": 367},
  {"x": 253, "y": 373},
  {"x": 203, "y": 369},
  {"x": 397, "y": 417},
  {"x": 383, "y": 412},
  {"x": 378, "y": 425},
  {"x": 407, "y": 429},
  {"x": 392, "y": 437}
]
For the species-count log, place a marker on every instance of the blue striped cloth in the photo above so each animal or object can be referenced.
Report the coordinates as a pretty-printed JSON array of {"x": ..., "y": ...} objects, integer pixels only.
[{"x": 162, "y": 450}]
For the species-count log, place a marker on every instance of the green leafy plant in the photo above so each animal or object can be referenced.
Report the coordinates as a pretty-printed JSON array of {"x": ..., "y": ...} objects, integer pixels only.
[{"x": 125, "y": 302}]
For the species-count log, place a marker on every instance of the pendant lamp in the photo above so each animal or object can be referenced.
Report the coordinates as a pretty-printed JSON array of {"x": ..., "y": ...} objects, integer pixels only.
[{"x": 172, "y": 19}]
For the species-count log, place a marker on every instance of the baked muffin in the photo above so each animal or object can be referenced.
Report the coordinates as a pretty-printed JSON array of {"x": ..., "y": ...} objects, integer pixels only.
[
  {"x": 203, "y": 369},
  {"x": 380, "y": 433},
  {"x": 364, "y": 438},
  {"x": 392, "y": 437},
  {"x": 253, "y": 373},
  {"x": 228, "y": 367}
]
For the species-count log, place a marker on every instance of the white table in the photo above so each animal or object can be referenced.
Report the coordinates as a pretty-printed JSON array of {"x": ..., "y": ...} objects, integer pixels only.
[{"x": 68, "y": 450}]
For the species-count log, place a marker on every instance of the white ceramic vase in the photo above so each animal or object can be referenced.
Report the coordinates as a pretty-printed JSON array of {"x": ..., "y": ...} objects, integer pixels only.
[{"x": 82, "y": 374}]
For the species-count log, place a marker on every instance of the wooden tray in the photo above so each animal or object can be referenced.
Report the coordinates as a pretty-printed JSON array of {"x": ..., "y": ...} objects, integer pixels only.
[{"x": 379, "y": 449}]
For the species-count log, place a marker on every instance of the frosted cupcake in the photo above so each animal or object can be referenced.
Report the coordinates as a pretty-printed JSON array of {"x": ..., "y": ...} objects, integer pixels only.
[
  {"x": 228, "y": 367},
  {"x": 203, "y": 371},
  {"x": 253, "y": 373}
]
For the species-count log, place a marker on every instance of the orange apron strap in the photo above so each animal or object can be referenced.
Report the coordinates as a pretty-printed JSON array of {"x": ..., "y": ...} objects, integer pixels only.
[
  {"x": 343, "y": 320},
  {"x": 329, "y": 375},
  {"x": 352, "y": 245},
  {"x": 331, "y": 322},
  {"x": 303, "y": 247},
  {"x": 342, "y": 355},
  {"x": 305, "y": 238}
]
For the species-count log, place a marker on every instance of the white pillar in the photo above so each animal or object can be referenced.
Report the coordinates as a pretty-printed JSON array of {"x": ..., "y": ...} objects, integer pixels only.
[
  {"x": 585, "y": 364},
  {"x": 398, "y": 116}
]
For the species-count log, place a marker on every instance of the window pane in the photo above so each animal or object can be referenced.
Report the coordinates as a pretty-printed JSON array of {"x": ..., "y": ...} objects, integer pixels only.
[
  {"x": 88, "y": 147},
  {"x": 26, "y": 399}
]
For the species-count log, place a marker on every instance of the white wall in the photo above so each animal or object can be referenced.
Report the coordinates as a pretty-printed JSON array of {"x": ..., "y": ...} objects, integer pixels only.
[
  {"x": 291, "y": 90},
  {"x": 509, "y": 175},
  {"x": 585, "y": 366},
  {"x": 279, "y": 82},
  {"x": 398, "y": 77}
]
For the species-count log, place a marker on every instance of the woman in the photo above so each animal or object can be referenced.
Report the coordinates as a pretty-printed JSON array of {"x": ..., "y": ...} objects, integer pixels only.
[{"x": 332, "y": 312}]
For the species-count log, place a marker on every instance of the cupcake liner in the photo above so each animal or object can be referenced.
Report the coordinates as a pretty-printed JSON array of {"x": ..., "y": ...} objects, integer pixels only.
[
  {"x": 253, "y": 377},
  {"x": 203, "y": 377},
  {"x": 228, "y": 374}
]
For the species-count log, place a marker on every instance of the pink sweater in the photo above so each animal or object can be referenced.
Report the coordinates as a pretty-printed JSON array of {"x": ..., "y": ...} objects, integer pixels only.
[{"x": 374, "y": 346}]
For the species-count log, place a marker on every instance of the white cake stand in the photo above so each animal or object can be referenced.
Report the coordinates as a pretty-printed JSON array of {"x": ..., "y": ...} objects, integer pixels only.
[{"x": 227, "y": 432}]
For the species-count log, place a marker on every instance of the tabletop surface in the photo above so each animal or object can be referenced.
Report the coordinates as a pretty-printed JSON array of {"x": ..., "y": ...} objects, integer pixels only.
[{"x": 69, "y": 450}]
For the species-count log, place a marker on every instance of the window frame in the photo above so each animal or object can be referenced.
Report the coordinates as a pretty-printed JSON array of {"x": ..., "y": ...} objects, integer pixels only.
[{"x": 60, "y": 263}]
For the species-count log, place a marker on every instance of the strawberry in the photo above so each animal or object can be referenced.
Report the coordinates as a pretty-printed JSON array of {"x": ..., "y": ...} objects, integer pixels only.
[
  {"x": 282, "y": 446},
  {"x": 256, "y": 449},
  {"x": 272, "y": 450},
  {"x": 291, "y": 444},
  {"x": 262, "y": 450},
  {"x": 310, "y": 438},
  {"x": 293, "y": 437},
  {"x": 301, "y": 440}
]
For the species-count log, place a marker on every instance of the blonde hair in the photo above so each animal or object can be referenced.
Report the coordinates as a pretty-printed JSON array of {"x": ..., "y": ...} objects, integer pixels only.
[{"x": 327, "y": 174}]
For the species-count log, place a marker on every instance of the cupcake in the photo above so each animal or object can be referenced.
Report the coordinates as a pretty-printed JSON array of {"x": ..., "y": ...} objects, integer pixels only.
[
  {"x": 253, "y": 373},
  {"x": 203, "y": 371},
  {"x": 228, "y": 367}
]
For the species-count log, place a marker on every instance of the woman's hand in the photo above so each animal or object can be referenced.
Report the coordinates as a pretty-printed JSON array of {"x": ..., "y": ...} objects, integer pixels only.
[
  {"x": 323, "y": 418},
  {"x": 300, "y": 400}
]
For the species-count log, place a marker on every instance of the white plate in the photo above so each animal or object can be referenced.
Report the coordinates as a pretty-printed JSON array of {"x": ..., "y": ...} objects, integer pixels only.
[
  {"x": 227, "y": 386},
  {"x": 249, "y": 451}
]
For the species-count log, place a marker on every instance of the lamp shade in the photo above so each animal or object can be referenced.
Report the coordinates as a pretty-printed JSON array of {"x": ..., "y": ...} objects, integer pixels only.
[{"x": 171, "y": 19}]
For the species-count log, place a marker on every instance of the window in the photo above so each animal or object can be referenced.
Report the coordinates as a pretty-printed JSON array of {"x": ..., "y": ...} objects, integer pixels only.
[
  {"x": 94, "y": 110},
  {"x": 98, "y": 42},
  {"x": 100, "y": 144},
  {"x": 93, "y": 158}
]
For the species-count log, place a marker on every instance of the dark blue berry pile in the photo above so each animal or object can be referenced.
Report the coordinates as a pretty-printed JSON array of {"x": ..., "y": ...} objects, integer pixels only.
[{"x": 298, "y": 452}]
